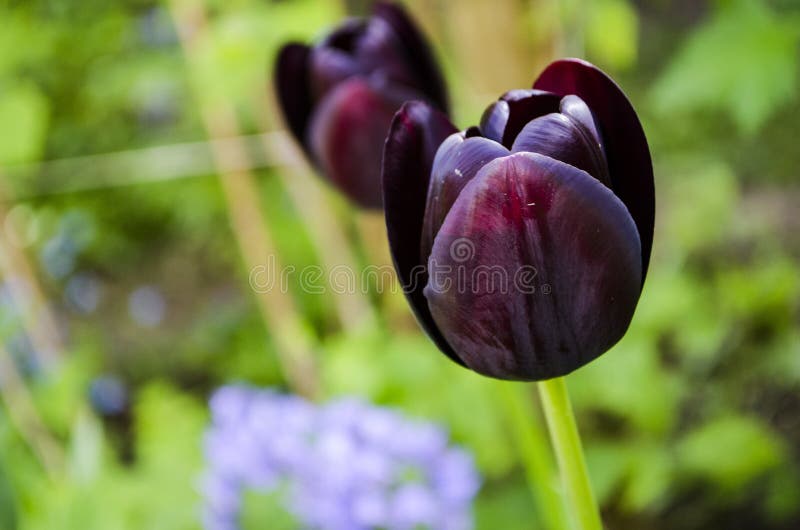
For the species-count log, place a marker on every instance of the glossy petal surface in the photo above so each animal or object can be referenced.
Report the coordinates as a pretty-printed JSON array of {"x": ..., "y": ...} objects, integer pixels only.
[
  {"x": 567, "y": 136},
  {"x": 380, "y": 50},
  {"x": 457, "y": 162},
  {"x": 625, "y": 144},
  {"x": 345, "y": 36},
  {"x": 524, "y": 106},
  {"x": 581, "y": 114},
  {"x": 329, "y": 66},
  {"x": 293, "y": 88},
  {"x": 347, "y": 135},
  {"x": 525, "y": 213},
  {"x": 416, "y": 132},
  {"x": 494, "y": 119},
  {"x": 417, "y": 51}
]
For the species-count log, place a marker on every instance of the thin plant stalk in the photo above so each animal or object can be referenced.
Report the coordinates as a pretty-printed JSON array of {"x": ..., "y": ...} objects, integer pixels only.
[
  {"x": 531, "y": 441},
  {"x": 371, "y": 227},
  {"x": 28, "y": 296},
  {"x": 354, "y": 310},
  {"x": 150, "y": 165},
  {"x": 578, "y": 496},
  {"x": 292, "y": 339},
  {"x": 22, "y": 412}
]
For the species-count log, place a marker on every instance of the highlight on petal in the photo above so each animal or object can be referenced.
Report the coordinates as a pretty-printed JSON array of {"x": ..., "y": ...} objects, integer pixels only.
[
  {"x": 524, "y": 106},
  {"x": 293, "y": 88},
  {"x": 417, "y": 51},
  {"x": 347, "y": 133},
  {"x": 329, "y": 66},
  {"x": 494, "y": 119},
  {"x": 579, "y": 112},
  {"x": 380, "y": 50},
  {"x": 457, "y": 161},
  {"x": 560, "y": 136},
  {"x": 625, "y": 144},
  {"x": 535, "y": 271},
  {"x": 415, "y": 135}
]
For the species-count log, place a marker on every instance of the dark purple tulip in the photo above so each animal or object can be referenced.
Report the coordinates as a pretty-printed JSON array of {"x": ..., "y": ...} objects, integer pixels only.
[
  {"x": 523, "y": 243},
  {"x": 339, "y": 95}
]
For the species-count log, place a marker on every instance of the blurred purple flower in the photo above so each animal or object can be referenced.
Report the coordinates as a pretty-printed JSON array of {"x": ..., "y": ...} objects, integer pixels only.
[
  {"x": 83, "y": 293},
  {"x": 109, "y": 396},
  {"x": 346, "y": 465},
  {"x": 147, "y": 306}
]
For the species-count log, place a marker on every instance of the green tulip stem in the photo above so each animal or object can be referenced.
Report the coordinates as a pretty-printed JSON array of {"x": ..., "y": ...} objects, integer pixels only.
[
  {"x": 530, "y": 437},
  {"x": 578, "y": 496}
]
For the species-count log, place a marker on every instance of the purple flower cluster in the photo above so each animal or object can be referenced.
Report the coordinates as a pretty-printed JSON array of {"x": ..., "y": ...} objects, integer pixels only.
[{"x": 346, "y": 465}]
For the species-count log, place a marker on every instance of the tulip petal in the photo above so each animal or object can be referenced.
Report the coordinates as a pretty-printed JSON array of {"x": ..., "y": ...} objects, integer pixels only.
[
  {"x": 380, "y": 50},
  {"x": 347, "y": 133},
  {"x": 579, "y": 112},
  {"x": 494, "y": 119},
  {"x": 457, "y": 161},
  {"x": 293, "y": 88},
  {"x": 626, "y": 149},
  {"x": 328, "y": 67},
  {"x": 418, "y": 52},
  {"x": 524, "y": 106},
  {"x": 561, "y": 137},
  {"x": 536, "y": 270},
  {"x": 416, "y": 132},
  {"x": 345, "y": 36}
]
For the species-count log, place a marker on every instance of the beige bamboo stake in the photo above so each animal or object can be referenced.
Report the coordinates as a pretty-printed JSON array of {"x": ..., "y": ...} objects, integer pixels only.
[
  {"x": 22, "y": 413},
  {"x": 28, "y": 297},
  {"x": 292, "y": 339},
  {"x": 372, "y": 228},
  {"x": 308, "y": 196}
]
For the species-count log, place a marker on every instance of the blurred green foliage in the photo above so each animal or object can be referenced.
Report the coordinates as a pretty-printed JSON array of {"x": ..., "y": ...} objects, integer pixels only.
[
  {"x": 692, "y": 421},
  {"x": 742, "y": 61}
]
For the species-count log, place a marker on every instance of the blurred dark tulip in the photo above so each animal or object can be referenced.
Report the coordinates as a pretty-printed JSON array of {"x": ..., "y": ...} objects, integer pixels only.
[
  {"x": 339, "y": 95},
  {"x": 523, "y": 243}
]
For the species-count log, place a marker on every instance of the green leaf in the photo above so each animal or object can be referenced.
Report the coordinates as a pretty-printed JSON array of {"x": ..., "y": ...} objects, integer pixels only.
[
  {"x": 612, "y": 32},
  {"x": 265, "y": 510},
  {"x": 505, "y": 505},
  {"x": 629, "y": 382},
  {"x": 23, "y": 123},
  {"x": 649, "y": 477},
  {"x": 730, "y": 451},
  {"x": 608, "y": 464},
  {"x": 742, "y": 61},
  {"x": 8, "y": 509}
]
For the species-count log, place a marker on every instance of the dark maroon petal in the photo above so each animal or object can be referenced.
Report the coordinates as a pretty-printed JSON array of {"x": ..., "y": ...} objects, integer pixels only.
[
  {"x": 292, "y": 87},
  {"x": 416, "y": 132},
  {"x": 564, "y": 138},
  {"x": 328, "y": 67},
  {"x": 457, "y": 161},
  {"x": 380, "y": 50},
  {"x": 472, "y": 132},
  {"x": 524, "y": 106},
  {"x": 579, "y": 112},
  {"x": 345, "y": 36},
  {"x": 417, "y": 51},
  {"x": 525, "y": 213},
  {"x": 347, "y": 134},
  {"x": 625, "y": 144},
  {"x": 494, "y": 119}
]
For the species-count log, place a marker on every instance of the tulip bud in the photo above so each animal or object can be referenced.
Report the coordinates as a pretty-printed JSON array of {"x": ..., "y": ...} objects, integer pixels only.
[
  {"x": 339, "y": 95},
  {"x": 523, "y": 243}
]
